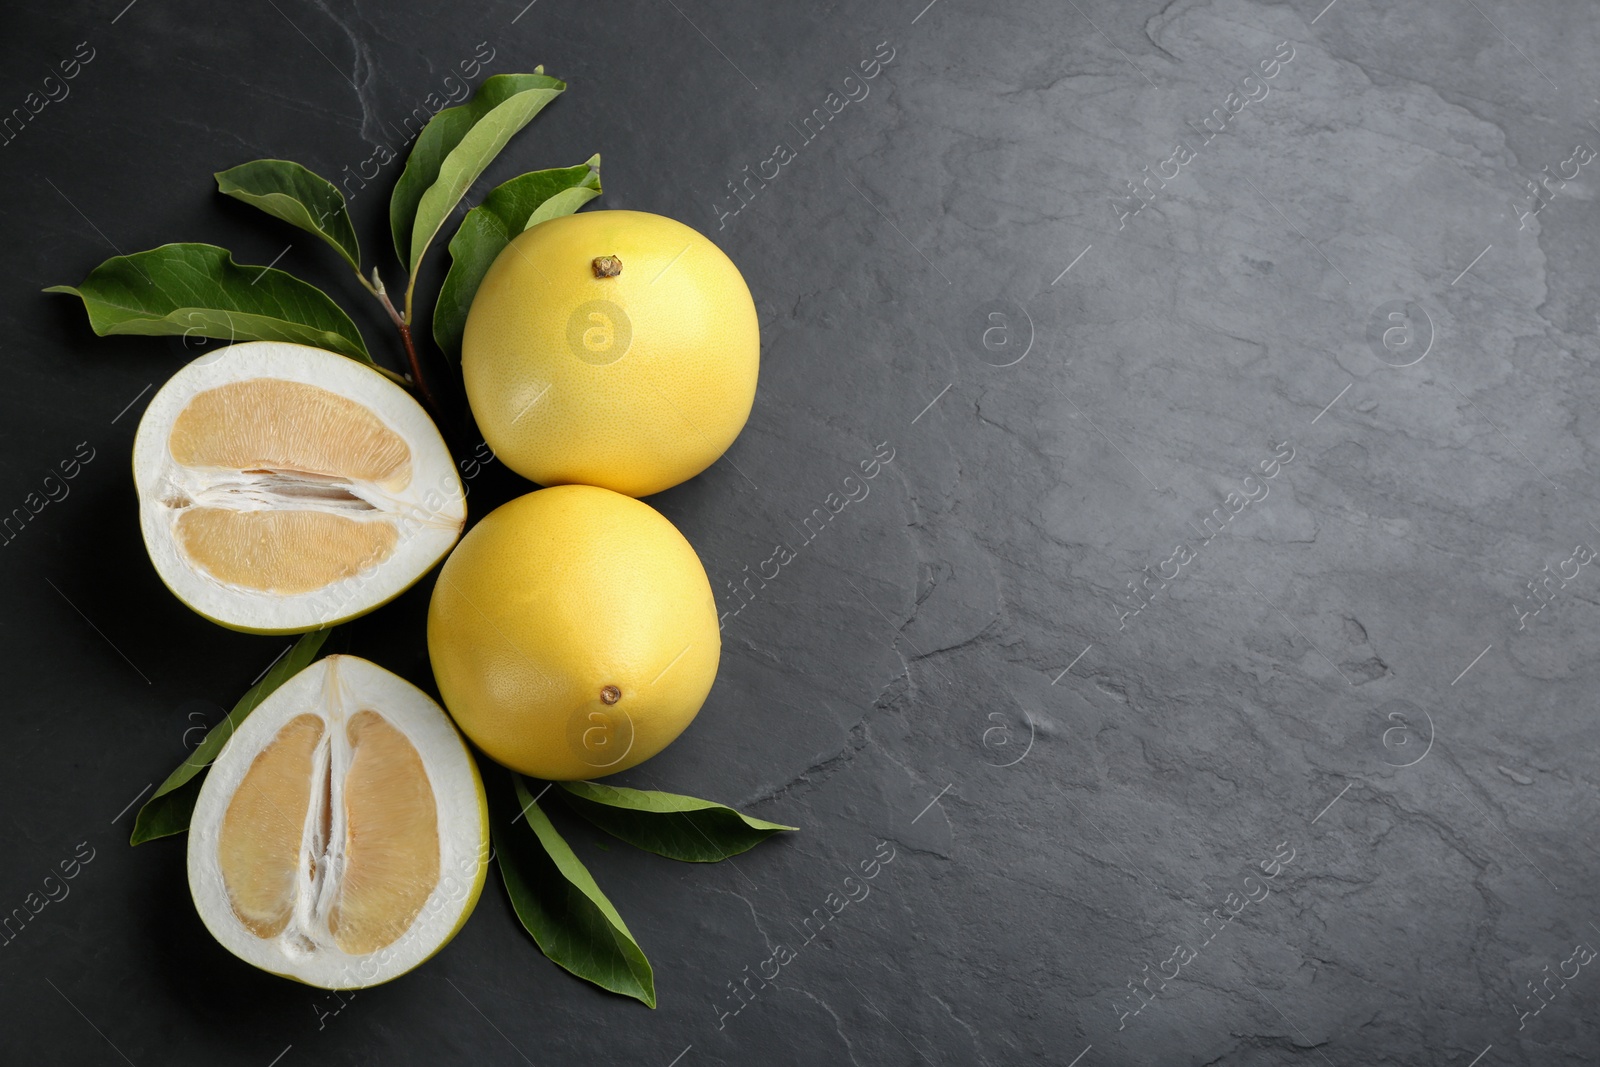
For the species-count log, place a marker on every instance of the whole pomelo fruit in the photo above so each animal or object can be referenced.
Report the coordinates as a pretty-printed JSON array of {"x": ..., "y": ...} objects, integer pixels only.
[
  {"x": 611, "y": 348},
  {"x": 573, "y": 633}
]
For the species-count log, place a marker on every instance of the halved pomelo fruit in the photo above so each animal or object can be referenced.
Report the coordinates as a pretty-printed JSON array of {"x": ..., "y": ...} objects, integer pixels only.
[
  {"x": 283, "y": 488},
  {"x": 341, "y": 837}
]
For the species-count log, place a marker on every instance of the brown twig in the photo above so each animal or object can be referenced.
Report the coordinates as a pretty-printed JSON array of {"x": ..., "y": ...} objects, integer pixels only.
[
  {"x": 376, "y": 288},
  {"x": 416, "y": 370}
]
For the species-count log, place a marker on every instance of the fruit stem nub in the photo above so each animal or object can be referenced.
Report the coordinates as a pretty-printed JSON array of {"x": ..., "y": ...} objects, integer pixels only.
[
  {"x": 610, "y": 695},
  {"x": 607, "y": 266}
]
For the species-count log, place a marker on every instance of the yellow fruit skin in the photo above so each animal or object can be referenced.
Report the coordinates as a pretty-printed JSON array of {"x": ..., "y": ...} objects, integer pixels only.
[
  {"x": 553, "y": 598},
  {"x": 635, "y": 382}
]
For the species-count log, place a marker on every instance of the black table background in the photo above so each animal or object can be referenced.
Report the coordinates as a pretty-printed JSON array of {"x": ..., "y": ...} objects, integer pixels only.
[{"x": 1309, "y": 679}]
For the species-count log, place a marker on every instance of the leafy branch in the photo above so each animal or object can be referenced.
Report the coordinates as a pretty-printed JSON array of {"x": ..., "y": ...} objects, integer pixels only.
[{"x": 197, "y": 290}]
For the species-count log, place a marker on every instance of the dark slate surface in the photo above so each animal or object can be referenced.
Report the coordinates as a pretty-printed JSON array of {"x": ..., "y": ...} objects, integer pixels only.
[{"x": 1342, "y": 669}]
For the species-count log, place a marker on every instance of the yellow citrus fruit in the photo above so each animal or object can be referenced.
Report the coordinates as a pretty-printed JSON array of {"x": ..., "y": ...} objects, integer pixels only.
[
  {"x": 342, "y": 836},
  {"x": 573, "y": 633},
  {"x": 283, "y": 488},
  {"x": 611, "y": 348}
]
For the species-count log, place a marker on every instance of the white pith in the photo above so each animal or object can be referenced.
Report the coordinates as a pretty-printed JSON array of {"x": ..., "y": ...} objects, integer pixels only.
[
  {"x": 429, "y": 510},
  {"x": 334, "y": 689}
]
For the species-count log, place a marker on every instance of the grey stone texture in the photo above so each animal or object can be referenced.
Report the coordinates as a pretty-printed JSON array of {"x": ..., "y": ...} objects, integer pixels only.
[{"x": 1215, "y": 655}]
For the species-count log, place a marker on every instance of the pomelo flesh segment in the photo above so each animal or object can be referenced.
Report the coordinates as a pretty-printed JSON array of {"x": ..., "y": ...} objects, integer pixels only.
[
  {"x": 263, "y": 829},
  {"x": 392, "y": 847},
  {"x": 270, "y": 424},
  {"x": 282, "y": 551}
]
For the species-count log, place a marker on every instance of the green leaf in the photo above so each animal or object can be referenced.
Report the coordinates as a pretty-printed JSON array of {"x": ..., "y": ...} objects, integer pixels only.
[
  {"x": 168, "y": 811},
  {"x": 452, "y": 150},
  {"x": 297, "y": 196},
  {"x": 669, "y": 824},
  {"x": 198, "y": 290},
  {"x": 558, "y": 902},
  {"x": 511, "y": 208}
]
